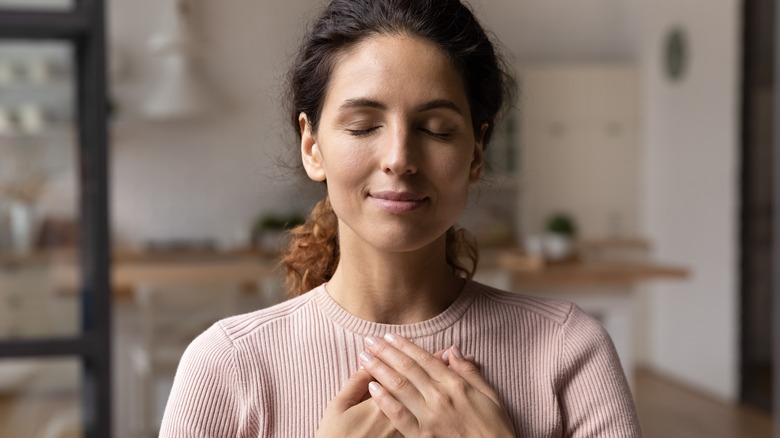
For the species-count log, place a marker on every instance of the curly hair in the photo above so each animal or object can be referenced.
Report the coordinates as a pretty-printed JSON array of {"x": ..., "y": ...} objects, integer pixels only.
[{"x": 313, "y": 252}]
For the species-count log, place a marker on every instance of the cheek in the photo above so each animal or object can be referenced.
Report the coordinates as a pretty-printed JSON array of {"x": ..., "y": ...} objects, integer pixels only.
[
  {"x": 454, "y": 168},
  {"x": 453, "y": 186},
  {"x": 342, "y": 155},
  {"x": 346, "y": 167}
]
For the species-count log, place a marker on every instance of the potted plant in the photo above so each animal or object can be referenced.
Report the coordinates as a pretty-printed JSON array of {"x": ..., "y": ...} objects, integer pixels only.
[{"x": 561, "y": 230}]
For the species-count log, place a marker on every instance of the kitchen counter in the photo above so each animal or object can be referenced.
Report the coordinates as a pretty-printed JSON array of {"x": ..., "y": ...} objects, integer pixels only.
[
  {"x": 131, "y": 267},
  {"x": 530, "y": 272},
  {"x": 175, "y": 268}
]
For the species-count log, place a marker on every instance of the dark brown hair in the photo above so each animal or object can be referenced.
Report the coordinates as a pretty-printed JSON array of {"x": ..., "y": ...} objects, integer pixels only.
[{"x": 313, "y": 253}]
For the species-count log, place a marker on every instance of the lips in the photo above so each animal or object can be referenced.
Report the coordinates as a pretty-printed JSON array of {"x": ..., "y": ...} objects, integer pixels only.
[
  {"x": 398, "y": 196},
  {"x": 398, "y": 202}
]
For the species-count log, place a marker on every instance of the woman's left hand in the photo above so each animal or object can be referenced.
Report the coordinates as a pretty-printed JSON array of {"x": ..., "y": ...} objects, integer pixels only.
[{"x": 423, "y": 396}]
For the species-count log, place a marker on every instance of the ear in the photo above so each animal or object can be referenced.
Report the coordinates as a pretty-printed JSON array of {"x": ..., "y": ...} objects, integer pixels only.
[
  {"x": 478, "y": 159},
  {"x": 310, "y": 150}
]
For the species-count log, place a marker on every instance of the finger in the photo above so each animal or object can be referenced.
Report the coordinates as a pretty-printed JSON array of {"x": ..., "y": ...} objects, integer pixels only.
[
  {"x": 402, "y": 362},
  {"x": 401, "y": 418},
  {"x": 470, "y": 373},
  {"x": 399, "y": 384},
  {"x": 424, "y": 360},
  {"x": 353, "y": 391},
  {"x": 445, "y": 357}
]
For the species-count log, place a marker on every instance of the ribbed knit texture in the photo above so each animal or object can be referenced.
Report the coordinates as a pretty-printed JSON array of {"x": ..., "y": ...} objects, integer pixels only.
[{"x": 272, "y": 372}]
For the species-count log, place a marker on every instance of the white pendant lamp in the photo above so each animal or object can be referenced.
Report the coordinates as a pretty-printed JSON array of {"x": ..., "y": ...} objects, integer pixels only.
[{"x": 181, "y": 92}]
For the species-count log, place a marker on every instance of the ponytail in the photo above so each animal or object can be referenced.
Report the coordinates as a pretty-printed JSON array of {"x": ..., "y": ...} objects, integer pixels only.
[
  {"x": 313, "y": 253},
  {"x": 462, "y": 253}
]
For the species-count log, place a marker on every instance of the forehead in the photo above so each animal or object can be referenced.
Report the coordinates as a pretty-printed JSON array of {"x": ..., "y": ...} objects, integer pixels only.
[{"x": 395, "y": 70}]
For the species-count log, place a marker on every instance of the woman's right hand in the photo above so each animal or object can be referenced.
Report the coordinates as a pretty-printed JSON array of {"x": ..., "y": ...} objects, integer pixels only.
[{"x": 353, "y": 413}]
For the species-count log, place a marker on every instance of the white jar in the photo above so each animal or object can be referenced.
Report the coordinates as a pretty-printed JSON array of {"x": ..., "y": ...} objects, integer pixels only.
[{"x": 557, "y": 246}]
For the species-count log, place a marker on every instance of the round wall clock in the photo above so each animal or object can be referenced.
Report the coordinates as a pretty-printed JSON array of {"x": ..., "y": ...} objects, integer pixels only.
[{"x": 675, "y": 54}]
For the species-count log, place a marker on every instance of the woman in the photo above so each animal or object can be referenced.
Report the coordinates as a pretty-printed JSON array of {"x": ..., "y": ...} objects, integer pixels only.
[{"x": 394, "y": 102}]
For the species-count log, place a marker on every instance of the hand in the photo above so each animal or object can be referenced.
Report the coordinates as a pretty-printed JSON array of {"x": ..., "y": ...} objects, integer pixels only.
[
  {"x": 353, "y": 413},
  {"x": 422, "y": 396}
]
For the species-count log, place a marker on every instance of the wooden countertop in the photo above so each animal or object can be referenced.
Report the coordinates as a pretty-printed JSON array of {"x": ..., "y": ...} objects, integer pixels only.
[
  {"x": 247, "y": 267},
  {"x": 530, "y": 272},
  {"x": 175, "y": 268}
]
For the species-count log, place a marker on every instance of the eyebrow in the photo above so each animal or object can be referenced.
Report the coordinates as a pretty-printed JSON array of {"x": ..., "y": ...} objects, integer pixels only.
[
  {"x": 439, "y": 103},
  {"x": 362, "y": 102}
]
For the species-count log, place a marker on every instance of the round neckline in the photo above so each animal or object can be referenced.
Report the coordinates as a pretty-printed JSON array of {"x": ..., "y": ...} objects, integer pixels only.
[{"x": 443, "y": 320}]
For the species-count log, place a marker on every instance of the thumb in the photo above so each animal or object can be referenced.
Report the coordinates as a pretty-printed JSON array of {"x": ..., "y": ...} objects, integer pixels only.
[
  {"x": 353, "y": 392},
  {"x": 469, "y": 371}
]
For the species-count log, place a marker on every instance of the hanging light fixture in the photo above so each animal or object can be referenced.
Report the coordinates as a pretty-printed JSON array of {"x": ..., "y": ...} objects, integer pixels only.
[{"x": 181, "y": 92}]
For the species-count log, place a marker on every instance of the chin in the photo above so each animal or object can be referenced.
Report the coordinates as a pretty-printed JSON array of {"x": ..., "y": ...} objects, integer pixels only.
[{"x": 406, "y": 240}]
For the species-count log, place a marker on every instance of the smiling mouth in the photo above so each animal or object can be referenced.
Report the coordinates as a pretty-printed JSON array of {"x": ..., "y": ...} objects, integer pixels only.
[{"x": 398, "y": 202}]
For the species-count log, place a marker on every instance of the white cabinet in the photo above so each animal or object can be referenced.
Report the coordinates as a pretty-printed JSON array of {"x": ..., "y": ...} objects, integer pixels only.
[
  {"x": 30, "y": 306},
  {"x": 578, "y": 145}
]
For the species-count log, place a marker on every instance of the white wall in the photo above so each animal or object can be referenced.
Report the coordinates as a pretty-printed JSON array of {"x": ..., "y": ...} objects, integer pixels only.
[
  {"x": 210, "y": 179},
  {"x": 690, "y": 189},
  {"x": 563, "y": 30},
  {"x": 205, "y": 178}
]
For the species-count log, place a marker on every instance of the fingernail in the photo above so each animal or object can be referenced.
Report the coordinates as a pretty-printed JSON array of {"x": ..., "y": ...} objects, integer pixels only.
[
  {"x": 389, "y": 337},
  {"x": 373, "y": 388},
  {"x": 371, "y": 341},
  {"x": 456, "y": 352},
  {"x": 366, "y": 356},
  {"x": 446, "y": 356}
]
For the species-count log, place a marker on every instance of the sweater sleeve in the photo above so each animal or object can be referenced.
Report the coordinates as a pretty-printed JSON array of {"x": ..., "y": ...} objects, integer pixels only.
[
  {"x": 206, "y": 400},
  {"x": 593, "y": 392}
]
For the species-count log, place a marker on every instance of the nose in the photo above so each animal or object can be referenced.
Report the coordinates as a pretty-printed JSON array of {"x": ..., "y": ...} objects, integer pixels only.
[{"x": 398, "y": 156}]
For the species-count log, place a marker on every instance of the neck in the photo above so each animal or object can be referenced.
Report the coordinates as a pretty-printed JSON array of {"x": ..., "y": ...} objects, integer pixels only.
[{"x": 394, "y": 287}]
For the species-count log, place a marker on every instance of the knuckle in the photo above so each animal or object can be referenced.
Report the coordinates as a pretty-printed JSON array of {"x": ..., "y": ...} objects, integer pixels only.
[
  {"x": 406, "y": 364},
  {"x": 425, "y": 358},
  {"x": 441, "y": 399},
  {"x": 469, "y": 367},
  {"x": 397, "y": 412},
  {"x": 460, "y": 386},
  {"x": 399, "y": 383}
]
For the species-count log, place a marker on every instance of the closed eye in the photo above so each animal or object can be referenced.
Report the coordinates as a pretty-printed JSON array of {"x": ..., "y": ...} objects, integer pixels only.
[
  {"x": 362, "y": 132},
  {"x": 437, "y": 134}
]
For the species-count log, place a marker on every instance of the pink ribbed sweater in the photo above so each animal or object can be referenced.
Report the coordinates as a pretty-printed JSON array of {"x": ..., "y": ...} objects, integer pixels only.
[{"x": 273, "y": 371}]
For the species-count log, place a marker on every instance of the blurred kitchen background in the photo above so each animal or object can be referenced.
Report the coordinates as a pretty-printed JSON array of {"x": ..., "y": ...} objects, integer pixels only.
[{"x": 633, "y": 176}]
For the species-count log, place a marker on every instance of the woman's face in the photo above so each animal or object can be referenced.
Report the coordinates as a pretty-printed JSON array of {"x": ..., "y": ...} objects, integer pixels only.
[{"x": 395, "y": 143}]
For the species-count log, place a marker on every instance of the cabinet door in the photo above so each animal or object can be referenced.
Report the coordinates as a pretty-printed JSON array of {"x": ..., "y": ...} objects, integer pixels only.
[
  {"x": 33, "y": 307},
  {"x": 578, "y": 143}
]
